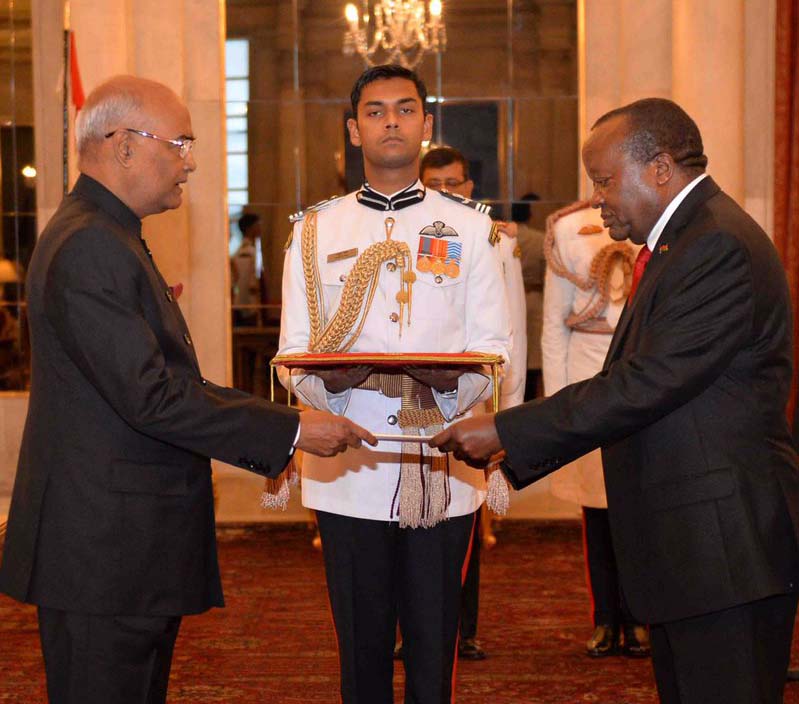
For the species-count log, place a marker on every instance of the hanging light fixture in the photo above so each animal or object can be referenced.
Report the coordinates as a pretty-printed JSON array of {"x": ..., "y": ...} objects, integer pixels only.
[{"x": 395, "y": 31}]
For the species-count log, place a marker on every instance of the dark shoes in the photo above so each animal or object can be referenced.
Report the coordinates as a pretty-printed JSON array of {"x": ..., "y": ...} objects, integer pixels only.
[
  {"x": 470, "y": 649},
  {"x": 635, "y": 641},
  {"x": 632, "y": 641},
  {"x": 603, "y": 641}
]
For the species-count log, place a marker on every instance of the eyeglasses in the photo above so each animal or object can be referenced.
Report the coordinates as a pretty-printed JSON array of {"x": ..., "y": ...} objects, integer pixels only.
[
  {"x": 184, "y": 144},
  {"x": 436, "y": 183}
]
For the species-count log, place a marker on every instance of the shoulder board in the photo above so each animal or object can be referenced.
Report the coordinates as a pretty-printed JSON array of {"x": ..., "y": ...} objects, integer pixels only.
[
  {"x": 468, "y": 202},
  {"x": 567, "y": 210},
  {"x": 315, "y": 208},
  {"x": 493, "y": 235}
]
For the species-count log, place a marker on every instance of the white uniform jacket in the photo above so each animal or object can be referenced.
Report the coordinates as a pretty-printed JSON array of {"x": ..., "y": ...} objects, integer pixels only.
[
  {"x": 512, "y": 391},
  {"x": 570, "y": 355},
  {"x": 467, "y": 313}
]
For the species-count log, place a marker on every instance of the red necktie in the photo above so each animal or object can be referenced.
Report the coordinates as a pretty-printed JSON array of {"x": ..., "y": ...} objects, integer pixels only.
[{"x": 641, "y": 261}]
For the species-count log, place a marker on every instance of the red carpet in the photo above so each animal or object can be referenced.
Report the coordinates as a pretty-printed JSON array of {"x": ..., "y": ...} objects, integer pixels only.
[{"x": 274, "y": 641}]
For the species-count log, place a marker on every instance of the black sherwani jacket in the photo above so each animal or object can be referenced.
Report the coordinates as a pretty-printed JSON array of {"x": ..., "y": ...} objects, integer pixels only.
[
  {"x": 689, "y": 410},
  {"x": 112, "y": 509}
]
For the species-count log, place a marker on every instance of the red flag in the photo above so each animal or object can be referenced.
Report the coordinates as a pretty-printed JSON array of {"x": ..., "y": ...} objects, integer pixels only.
[{"x": 74, "y": 74}]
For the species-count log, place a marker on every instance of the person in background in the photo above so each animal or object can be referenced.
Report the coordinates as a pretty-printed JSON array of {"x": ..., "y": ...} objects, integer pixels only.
[
  {"x": 587, "y": 282},
  {"x": 111, "y": 525},
  {"x": 531, "y": 250},
  {"x": 244, "y": 275},
  {"x": 446, "y": 169}
]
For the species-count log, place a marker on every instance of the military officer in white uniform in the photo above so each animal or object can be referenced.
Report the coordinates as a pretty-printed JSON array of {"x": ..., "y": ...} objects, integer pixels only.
[
  {"x": 587, "y": 283},
  {"x": 443, "y": 295}
]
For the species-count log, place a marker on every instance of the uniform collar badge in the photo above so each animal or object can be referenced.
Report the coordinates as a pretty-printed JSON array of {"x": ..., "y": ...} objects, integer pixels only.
[{"x": 373, "y": 199}]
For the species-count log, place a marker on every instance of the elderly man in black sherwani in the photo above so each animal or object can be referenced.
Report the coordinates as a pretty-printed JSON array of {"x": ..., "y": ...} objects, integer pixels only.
[
  {"x": 701, "y": 475},
  {"x": 111, "y": 526}
]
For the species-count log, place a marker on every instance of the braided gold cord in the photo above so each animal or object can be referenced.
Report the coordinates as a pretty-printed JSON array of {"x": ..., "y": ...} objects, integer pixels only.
[
  {"x": 599, "y": 273},
  {"x": 362, "y": 278},
  {"x": 329, "y": 336},
  {"x": 551, "y": 253},
  {"x": 313, "y": 289}
]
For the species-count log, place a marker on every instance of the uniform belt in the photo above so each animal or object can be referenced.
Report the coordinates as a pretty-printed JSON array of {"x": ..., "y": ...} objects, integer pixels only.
[{"x": 418, "y": 408}]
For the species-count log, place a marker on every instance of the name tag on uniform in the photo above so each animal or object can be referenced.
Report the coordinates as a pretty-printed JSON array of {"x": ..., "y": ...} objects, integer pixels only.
[{"x": 345, "y": 254}]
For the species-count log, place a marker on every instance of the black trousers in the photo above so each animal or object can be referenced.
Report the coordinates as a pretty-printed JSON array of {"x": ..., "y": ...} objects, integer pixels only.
[
  {"x": 470, "y": 596},
  {"x": 378, "y": 573},
  {"x": 92, "y": 659},
  {"x": 736, "y": 656},
  {"x": 609, "y": 605}
]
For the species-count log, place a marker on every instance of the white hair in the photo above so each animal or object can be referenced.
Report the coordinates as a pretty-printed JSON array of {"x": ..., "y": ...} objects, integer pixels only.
[{"x": 106, "y": 110}]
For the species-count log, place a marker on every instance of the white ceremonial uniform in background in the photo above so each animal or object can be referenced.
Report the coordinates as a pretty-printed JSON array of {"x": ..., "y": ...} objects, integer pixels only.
[
  {"x": 515, "y": 374},
  {"x": 467, "y": 313},
  {"x": 570, "y": 355}
]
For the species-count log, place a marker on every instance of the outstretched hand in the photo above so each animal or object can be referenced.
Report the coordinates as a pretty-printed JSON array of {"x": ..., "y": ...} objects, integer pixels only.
[
  {"x": 473, "y": 440},
  {"x": 326, "y": 434}
]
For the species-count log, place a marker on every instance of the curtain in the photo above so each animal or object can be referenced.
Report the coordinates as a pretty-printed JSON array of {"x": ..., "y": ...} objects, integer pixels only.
[{"x": 786, "y": 158}]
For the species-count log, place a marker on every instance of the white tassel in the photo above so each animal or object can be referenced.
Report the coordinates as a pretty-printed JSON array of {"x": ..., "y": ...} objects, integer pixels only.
[
  {"x": 498, "y": 496},
  {"x": 277, "y": 491}
]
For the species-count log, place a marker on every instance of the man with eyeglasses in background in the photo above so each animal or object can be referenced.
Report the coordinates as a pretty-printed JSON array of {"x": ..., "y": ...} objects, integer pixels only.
[
  {"x": 447, "y": 169},
  {"x": 111, "y": 526}
]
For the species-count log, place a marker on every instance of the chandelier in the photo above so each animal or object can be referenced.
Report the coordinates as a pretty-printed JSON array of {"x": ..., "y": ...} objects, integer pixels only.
[{"x": 396, "y": 31}]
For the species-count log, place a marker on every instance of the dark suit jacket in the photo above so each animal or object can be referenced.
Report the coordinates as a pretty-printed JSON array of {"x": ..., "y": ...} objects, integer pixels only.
[
  {"x": 112, "y": 510},
  {"x": 700, "y": 473}
]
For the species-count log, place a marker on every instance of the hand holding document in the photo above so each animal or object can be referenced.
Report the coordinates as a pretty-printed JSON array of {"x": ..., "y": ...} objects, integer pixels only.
[
  {"x": 326, "y": 434},
  {"x": 473, "y": 440}
]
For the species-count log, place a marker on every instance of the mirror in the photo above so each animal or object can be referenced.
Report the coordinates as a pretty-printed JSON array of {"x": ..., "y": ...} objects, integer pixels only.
[
  {"x": 504, "y": 92},
  {"x": 17, "y": 189}
]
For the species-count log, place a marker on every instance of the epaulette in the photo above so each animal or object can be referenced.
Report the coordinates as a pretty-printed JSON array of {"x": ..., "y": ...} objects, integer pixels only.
[
  {"x": 315, "y": 208},
  {"x": 493, "y": 234},
  {"x": 468, "y": 202}
]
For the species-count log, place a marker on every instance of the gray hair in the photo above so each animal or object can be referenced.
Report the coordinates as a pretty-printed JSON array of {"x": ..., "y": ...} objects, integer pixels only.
[{"x": 106, "y": 109}]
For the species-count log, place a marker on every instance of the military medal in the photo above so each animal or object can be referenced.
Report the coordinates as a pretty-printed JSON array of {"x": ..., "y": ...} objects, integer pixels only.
[{"x": 437, "y": 254}]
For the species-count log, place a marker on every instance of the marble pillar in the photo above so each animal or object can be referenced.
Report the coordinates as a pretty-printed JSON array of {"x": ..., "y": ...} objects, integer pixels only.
[
  {"x": 708, "y": 81},
  {"x": 713, "y": 57}
]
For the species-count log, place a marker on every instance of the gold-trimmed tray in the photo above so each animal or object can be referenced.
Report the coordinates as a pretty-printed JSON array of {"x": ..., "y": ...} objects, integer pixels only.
[{"x": 321, "y": 360}]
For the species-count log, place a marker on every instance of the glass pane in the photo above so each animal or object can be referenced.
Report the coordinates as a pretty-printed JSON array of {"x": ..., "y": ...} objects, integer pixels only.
[
  {"x": 237, "y": 124},
  {"x": 237, "y": 142},
  {"x": 474, "y": 128},
  {"x": 544, "y": 41},
  {"x": 237, "y": 171},
  {"x": 235, "y": 109},
  {"x": 255, "y": 293},
  {"x": 237, "y": 57},
  {"x": 17, "y": 192},
  {"x": 546, "y": 158},
  {"x": 237, "y": 90},
  {"x": 238, "y": 197},
  {"x": 325, "y": 71},
  {"x": 476, "y": 62}
]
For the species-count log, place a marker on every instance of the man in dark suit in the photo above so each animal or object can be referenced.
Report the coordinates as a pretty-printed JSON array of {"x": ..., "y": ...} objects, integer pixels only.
[
  {"x": 689, "y": 410},
  {"x": 111, "y": 526}
]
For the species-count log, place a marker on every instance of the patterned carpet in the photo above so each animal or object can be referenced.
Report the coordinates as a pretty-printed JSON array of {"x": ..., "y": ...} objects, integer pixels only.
[{"x": 274, "y": 641}]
